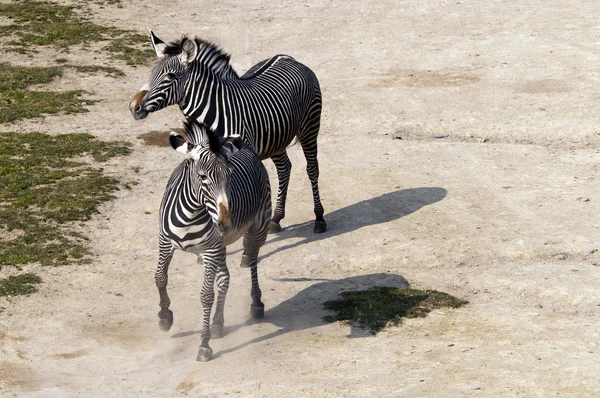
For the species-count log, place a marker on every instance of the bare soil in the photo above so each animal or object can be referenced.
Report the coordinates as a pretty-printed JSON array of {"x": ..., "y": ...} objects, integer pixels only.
[{"x": 481, "y": 214}]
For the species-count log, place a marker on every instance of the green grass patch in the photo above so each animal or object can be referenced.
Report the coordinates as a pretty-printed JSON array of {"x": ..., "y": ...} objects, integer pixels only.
[
  {"x": 380, "y": 306},
  {"x": 42, "y": 23},
  {"x": 19, "y": 284},
  {"x": 46, "y": 183},
  {"x": 17, "y": 101}
]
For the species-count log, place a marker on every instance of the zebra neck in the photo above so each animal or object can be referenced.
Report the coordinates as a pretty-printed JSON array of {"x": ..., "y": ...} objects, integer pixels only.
[{"x": 204, "y": 98}]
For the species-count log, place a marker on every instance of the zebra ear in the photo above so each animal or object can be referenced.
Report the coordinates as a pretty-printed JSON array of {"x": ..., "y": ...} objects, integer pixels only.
[
  {"x": 229, "y": 146},
  {"x": 179, "y": 143},
  {"x": 157, "y": 44},
  {"x": 189, "y": 50},
  {"x": 214, "y": 142}
]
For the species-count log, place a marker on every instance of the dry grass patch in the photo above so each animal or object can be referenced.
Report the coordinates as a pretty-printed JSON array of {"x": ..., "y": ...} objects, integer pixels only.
[{"x": 158, "y": 138}]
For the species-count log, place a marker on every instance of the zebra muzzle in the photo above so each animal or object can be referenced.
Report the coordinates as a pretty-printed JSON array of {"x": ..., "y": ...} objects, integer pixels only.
[{"x": 135, "y": 106}]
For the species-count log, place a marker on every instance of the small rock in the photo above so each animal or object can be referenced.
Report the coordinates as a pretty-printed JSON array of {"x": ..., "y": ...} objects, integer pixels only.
[
  {"x": 560, "y": 256},
  {"x": 590, "y": 252},
  {"x": 440, "y": 136},
  {"x": 397, "y": 137}
]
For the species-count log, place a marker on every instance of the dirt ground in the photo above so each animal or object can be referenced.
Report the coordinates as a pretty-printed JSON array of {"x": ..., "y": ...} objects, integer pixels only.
[{"x": 481, "y": 214}]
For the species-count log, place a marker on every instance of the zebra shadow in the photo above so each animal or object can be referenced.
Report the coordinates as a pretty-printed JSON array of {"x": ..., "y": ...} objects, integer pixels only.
[
  {"x": 305, "y": 309},
  {"x": 381, "y": 209}
]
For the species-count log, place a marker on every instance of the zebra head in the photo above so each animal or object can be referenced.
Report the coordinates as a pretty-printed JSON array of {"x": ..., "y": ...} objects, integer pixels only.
[
  {"x": 211, "y": 157},
  {"x": 167, "y": 79}
]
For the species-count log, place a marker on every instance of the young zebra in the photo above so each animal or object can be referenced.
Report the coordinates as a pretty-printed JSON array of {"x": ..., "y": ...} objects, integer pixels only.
[
  {"x": 218, "y": 194},
  {"x": 277, "y": 99}
]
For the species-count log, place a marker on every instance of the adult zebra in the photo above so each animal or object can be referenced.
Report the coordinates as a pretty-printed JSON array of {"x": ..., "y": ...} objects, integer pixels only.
[
  {"x": 276, "y": 100},
  {"x": 218, "y": 194}
]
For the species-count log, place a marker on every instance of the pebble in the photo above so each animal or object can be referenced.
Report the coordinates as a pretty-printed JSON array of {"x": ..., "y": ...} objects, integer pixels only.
[
  {"x": 560, "y": 256},
  {"x": 590, "y": 252},
  {"x": 440, "y": 136}
]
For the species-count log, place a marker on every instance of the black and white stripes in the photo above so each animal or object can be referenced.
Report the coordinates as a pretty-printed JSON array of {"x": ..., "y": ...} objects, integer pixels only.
[
  {"x": 217, "y": 195},
  {"x": 275, "y": 101}
]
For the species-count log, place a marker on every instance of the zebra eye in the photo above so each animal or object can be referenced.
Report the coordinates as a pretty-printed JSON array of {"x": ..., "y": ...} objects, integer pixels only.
[
  {"x": 203, "y": 177},
  {"x": 171, "y": 76}
]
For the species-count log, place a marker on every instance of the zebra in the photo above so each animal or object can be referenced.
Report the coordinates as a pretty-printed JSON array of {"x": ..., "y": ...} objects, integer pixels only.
[
  {"x": 219, "y": 193},
  {"x": 273, "y": 102}
]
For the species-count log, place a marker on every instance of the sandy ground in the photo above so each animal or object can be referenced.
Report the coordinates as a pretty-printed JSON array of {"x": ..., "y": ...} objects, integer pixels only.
[{"x": 480, "y": 220}]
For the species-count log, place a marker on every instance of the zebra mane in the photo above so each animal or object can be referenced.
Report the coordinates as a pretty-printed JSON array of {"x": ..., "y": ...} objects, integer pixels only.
[
  {"x": 198, "y": 133},
  {"x": 209, "y": 54}
]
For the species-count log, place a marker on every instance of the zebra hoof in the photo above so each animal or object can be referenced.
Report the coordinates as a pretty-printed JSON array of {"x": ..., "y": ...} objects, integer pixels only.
[
  {"x": 165, "y": 320},
  {"x": 257, "y": 312},
  {"x": 216, "y": 331},
  {"x": 320, "y": 227},
  {"x": 204, "y": 354},
  {"x": 274, "y": 228}
]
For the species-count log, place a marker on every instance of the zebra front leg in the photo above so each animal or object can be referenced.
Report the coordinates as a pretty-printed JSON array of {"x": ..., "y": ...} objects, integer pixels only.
[
  {"x": 254, "y": 238},
  {"x": 309, "y": 146},
  {"x": 284, "y": 168},
  {"x": 165, "y": 255},
  {"x": 222, "y": 282},
  {"x": 257, "y": 309},
  {"x": 211, "y": 259}
]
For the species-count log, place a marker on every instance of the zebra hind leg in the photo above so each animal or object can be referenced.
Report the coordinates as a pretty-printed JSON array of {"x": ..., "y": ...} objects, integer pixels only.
[
  {"x": 161, "y": 277},
  {"x": 212, "y": 260},
  {"x": 309, "y": 146},
  {"x": 284, "y": 168},
  {"x": 308, "y": 139}
]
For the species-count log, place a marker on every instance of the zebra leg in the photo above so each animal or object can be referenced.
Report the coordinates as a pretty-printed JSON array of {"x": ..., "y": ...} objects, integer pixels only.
[
  {"x": 309, "y": 146},
  {"x": 284, "y": 168},
  {"x": 257, "y": 309},
  {"x": 212, "y": 259},
  {"x": 222, "y": 281},
  {"x": 254, "y": 238},
  {"x": 161, "y": 277}
]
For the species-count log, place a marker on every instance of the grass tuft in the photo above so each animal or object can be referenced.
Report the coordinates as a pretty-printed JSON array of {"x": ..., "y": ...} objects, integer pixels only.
[
  {"x": 19, "y": 284},
  {"x": 44, "y": 185},
  {"x": 379, "y": 306}
]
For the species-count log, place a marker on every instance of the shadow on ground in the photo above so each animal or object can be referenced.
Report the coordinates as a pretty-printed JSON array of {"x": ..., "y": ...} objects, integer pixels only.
[
  {"x": 382, "y": 209},
  {"x": 305, "y": 309}
]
